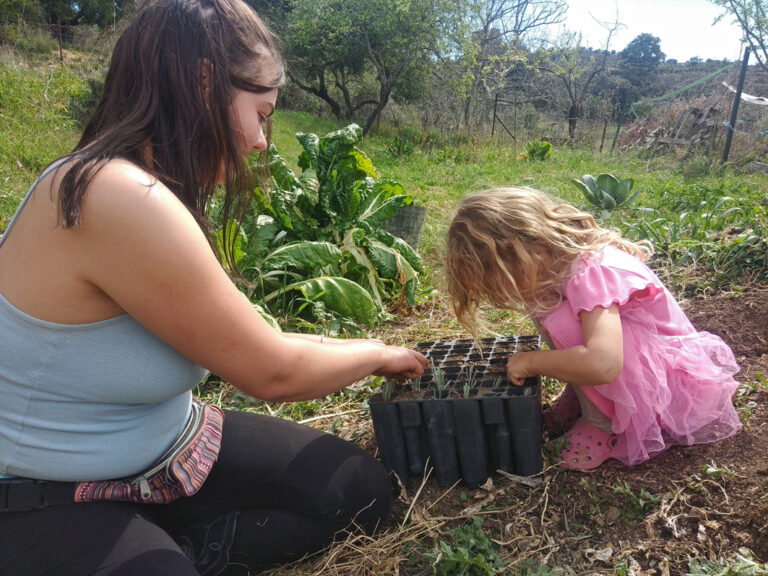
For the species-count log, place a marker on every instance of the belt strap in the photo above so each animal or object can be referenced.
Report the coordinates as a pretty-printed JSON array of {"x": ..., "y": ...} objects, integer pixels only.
[{"x": 24, "y": 494}]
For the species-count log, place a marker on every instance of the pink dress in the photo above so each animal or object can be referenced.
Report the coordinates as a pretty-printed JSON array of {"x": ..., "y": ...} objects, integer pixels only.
[{"x": 676, "y": 385}]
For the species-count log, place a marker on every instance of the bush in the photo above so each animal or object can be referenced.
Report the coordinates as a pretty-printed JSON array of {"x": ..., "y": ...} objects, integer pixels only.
[{"x": 538, "y": 150}]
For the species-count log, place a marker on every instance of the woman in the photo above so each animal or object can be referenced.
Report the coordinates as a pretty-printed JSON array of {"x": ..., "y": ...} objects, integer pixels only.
[{"x": 113, "y": 306}]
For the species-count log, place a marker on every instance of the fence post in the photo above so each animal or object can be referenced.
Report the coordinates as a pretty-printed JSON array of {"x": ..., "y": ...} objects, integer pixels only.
[
  {"x": 735, "y": 109},
  {"x": 493, "y": 126}
]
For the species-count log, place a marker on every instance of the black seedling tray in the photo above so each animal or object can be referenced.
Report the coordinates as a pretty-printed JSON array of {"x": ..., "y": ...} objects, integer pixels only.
[{"x": 467, "y": 426}]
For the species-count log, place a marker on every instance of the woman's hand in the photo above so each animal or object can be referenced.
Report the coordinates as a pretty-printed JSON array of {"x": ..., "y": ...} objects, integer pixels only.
[
  {"x": 401, "y": 363},
  {"x": 520, "y": 367}
]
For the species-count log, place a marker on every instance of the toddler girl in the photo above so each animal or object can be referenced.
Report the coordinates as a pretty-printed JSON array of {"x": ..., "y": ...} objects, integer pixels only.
[{"x": 640, "y": 377}]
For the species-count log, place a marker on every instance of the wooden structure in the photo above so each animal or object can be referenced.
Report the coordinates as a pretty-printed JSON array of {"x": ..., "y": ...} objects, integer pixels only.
[{"x": 694, "y": 127}]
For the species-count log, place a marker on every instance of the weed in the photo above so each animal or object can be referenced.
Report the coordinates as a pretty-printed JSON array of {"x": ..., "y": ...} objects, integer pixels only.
[
  {"x": 467, "y": 551},
  {"x": 712, "y": 470},
  {"x": 739, "y": 564},
  {"x": 400, "y": 147},
  {"x": 636, "y": 506},
  {"x": 534, "y": 568},
  {"x": 538, "y": 150}
]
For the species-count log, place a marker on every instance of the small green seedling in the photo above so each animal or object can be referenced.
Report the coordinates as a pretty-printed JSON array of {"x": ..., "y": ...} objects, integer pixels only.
[
  {"x": 387, "y": 389},
  {"x": 415, "y": 384},
  {"x": 438, "y": 377}
]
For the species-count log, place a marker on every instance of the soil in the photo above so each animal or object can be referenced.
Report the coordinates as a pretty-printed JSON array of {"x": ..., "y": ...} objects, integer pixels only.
[{"x": 704, "y": 502}]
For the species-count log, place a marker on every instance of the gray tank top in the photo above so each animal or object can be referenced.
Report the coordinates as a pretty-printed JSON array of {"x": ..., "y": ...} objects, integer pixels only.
[{"x": 86, "y": 401}]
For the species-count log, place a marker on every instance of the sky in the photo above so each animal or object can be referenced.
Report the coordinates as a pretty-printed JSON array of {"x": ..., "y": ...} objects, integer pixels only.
[{"x": 685, "y": 27}]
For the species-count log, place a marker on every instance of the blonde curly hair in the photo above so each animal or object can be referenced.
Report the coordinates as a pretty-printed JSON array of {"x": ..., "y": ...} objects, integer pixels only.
[{"x": 512, "y": 248}]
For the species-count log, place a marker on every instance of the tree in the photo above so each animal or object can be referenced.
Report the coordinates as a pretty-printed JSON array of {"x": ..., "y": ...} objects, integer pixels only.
[
  {"x": 576, "y": 68},
  {"x": 358, "y": 53},
  {"x": 641, "y": 58},
  {"x": 752, "y": 16},
  {"x": 489, "y": 43}
]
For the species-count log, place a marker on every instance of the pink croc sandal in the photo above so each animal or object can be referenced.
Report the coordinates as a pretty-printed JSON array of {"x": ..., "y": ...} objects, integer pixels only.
[
  {"x": 588, "y": 447},
  {"x": 562, "y": 414}
]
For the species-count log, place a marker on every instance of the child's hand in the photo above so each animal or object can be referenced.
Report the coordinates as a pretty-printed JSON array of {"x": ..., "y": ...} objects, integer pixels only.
[{"x": 519, "y": 367}]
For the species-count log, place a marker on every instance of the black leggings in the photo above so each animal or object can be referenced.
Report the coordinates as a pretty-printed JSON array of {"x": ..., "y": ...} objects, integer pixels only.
[{"x": 278, "y": 492}]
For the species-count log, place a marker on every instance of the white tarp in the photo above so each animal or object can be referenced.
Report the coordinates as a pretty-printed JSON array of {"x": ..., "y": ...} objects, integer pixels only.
[{"x": 759, "y": 100}]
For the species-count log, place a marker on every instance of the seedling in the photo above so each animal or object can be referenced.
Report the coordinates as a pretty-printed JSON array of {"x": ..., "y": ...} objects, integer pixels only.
[
  {"x": 387, "y": 389},
  {"x": 415, "y": 384},
  {"x": 438, "y": 377},
  {"x": 471, "y": 378}
]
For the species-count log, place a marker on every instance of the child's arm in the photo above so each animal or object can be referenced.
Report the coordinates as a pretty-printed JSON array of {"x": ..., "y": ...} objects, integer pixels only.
[{"x": 598, "y": 361}]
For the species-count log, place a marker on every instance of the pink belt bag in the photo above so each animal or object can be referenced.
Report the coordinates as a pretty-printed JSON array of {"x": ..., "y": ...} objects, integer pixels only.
[{"x": 181, "y": 471}]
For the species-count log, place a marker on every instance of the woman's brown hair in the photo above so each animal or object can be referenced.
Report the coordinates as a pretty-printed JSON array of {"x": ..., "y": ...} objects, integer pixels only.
[{"x": 155, "y": 99}]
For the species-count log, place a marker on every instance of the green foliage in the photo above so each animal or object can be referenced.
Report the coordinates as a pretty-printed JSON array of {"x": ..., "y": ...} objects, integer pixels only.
[
  {"x": 728, "y": 242},
  {"x": 468, "y": 551},
  {"x": 351, "y": 51},
  {"x": 314, "y": 247},
  {"x": 400, "y": 147},
  {"x": 641, "y": 58},
  {"x": 534, "y": 568},
  {"x": 740, "y": 564},
  {"x": 606, "y": 192},
  {"x": 636, "y": 506},
  {"x": 537, "y": 151}
]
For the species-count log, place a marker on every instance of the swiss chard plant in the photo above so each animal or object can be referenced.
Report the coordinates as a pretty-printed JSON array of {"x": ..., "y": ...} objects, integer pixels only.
[{"x": 313, "y": 247}]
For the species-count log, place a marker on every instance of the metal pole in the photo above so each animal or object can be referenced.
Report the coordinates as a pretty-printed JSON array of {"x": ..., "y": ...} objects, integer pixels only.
[
  {"x": 735, "y": 109},
  {"x": 493, "y": 126}
]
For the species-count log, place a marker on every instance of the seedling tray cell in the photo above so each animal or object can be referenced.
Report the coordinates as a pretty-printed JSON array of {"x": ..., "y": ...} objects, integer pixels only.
[{"x": 462, "y": 418}]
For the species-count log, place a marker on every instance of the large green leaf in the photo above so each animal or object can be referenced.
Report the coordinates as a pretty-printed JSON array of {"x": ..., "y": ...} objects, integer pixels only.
[
  {"x": 268, "y": 318},
  {"x": 235, "y": 237},
  {"x": 390, "y": 263},
  {"x": 338, "y": 294},
  {"x": 311, "y": 144},
  {"x": 310, "y": 185},
  {"x": 608, "y": 183},
  {"x": 381, "y": 204},
  {"x": 265, "y": 231},
  {"x": 623, "y": 190},
  {"x": 405, "y": 249},
  {"x": 303, "y": 256}
]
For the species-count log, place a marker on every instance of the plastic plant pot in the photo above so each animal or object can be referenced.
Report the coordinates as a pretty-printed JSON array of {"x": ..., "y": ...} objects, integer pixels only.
[{"x": 474, "y": 423}]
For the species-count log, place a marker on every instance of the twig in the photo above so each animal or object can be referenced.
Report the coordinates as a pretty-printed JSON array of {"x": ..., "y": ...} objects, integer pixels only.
[
  {"x": 328, "y": 416},
  {"x": 416, "y": 497},
  {"x": 525, "y": 480}
]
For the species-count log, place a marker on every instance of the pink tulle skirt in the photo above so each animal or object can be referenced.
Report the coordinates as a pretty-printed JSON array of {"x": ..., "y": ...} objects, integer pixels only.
[{"x": 673, "y": 389}]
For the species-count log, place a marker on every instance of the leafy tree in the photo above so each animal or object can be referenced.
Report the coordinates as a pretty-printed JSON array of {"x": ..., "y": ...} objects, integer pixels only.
[
  {"x": 752, "y": 16},
  {"x": 575, "y": 68},
  {"x": 357, "y": 54},
  {"x": 93, "y": 12},
  {"x": 11, "y": 10},
  {"x": 490, "y": 42},
  {"x": 641, "y": 58}
]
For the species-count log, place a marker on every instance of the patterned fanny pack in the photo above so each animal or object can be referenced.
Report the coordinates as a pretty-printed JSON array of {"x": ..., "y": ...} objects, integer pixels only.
[{"x": 181, "y": 471}]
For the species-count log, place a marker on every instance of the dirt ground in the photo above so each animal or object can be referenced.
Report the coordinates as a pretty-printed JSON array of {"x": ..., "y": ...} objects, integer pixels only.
[{"x": 706, "y": 502}]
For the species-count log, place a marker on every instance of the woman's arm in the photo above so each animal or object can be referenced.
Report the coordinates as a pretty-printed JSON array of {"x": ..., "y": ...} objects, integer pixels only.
[
  {"x": 598, "y": 361},
  {"x": 141, "y": 247}
]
